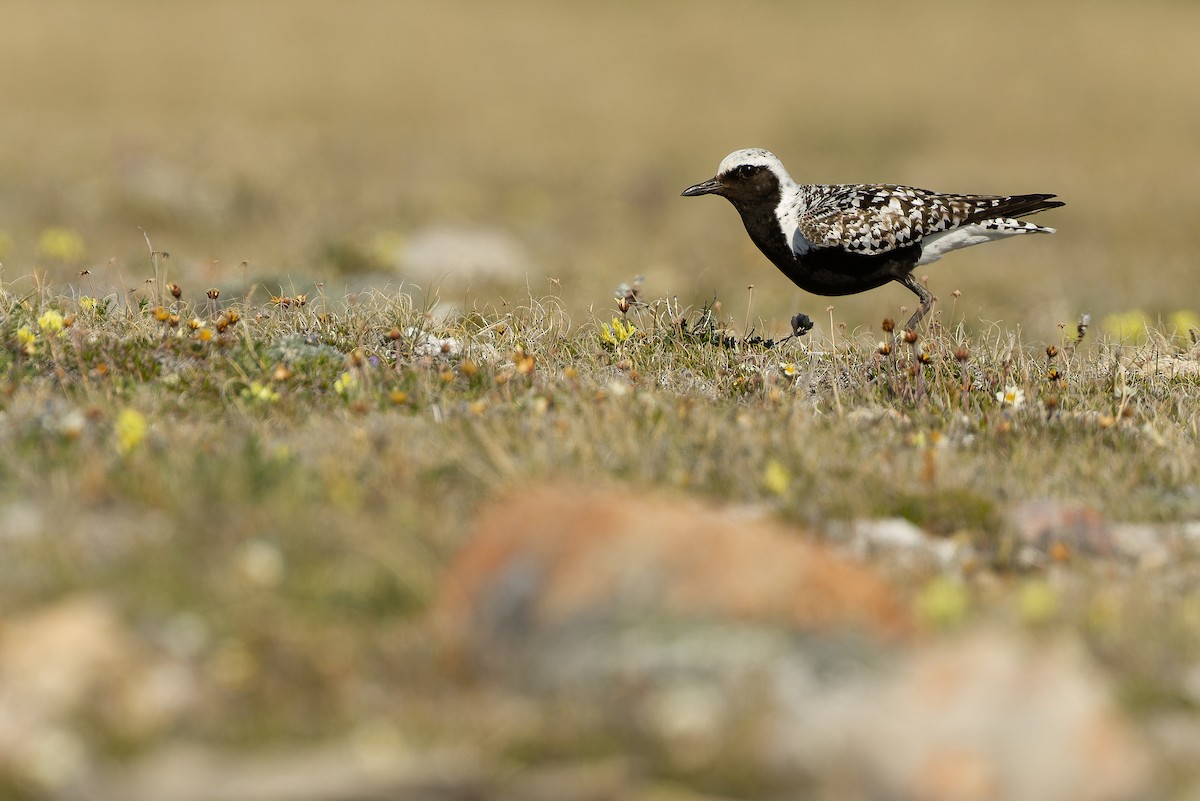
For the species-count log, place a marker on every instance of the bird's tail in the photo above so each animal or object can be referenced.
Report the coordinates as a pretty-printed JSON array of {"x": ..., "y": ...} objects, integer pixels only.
[{"x": 1022, "y": 205}]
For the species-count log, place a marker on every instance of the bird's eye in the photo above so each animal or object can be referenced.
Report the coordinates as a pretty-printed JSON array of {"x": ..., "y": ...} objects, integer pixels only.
[{"x": 745, "y": 170}]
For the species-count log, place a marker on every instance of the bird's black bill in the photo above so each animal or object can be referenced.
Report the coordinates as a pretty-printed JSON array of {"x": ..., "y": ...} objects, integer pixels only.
[{"x": 706, "y": 188}]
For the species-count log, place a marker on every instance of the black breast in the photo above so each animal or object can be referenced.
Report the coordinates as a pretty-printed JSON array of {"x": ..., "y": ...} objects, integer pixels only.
[
  {"x": 833, "y": 271},
  {"x": 825, "y": 271}
]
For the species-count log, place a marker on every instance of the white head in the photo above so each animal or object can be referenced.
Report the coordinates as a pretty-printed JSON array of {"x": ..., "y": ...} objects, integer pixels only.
[
  {"x": 751, "y": 157},
  {"x": 746, "y": 176}
]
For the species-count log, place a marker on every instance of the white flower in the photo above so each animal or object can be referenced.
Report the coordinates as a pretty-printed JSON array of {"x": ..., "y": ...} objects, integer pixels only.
[{"x": 1012, "y": 396}]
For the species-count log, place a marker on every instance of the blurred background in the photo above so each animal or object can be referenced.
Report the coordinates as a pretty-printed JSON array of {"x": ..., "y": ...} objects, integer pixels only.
[{"x": 476, "y": 152}]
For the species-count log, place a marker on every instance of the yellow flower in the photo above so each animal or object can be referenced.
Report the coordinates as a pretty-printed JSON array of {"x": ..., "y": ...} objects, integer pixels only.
[
  {"x": 386, "y": 247},
  {"x": 1037, "y": 602},
  {"x": 776, "y": 478},
  {"x": 60, "y": 243},
  {"x": 345, "y": 384},
  {"x": 942, "y": 603},
  {"x": 258, "y": 391},
  {"x": 51, "y": 322},
  {"x": 129, "y": 430},
  {"x": 1126, "y": 325},
  {"x": 25, "y": 340},
  {"x": 1012, "y": 396},
  {"x": 618, "y": 332},
  {"x": 1184, "y": 321},
  {"x": 87, "y": 303}
]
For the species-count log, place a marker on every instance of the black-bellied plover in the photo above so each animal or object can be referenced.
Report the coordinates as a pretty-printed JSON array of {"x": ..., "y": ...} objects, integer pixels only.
[{"x": 841, "y": 239}]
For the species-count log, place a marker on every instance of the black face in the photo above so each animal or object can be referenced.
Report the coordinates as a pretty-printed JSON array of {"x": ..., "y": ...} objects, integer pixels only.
[
  {"x": 744, "y": 172},
  {"x": 743, "y": 185},
  {"x": 748, "y": 183}
]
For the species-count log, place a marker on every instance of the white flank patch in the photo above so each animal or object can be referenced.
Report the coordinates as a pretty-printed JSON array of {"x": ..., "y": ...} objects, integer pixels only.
[
  {"x": 935, "y": 246},
  {"x": 787, "y": 212},
  {"x": 798, "y": 241}
]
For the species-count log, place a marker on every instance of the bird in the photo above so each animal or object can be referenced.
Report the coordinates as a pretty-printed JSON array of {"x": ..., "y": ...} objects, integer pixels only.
[{"x": 842, "y": 239}]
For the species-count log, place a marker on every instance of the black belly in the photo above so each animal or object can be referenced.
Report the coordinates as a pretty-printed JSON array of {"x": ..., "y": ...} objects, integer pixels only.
[{"x": 829, "y": 271}]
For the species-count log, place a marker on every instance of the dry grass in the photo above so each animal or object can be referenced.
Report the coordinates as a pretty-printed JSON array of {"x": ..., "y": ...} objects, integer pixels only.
[{"x": 289, "y": 480}]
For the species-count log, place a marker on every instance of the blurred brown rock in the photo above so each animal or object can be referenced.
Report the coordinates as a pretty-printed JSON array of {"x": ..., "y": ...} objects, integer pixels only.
[
  {"x": 1063, "y": 528},
  {"x": 553, "y": 557},
  {"x": 724, "y": 643},
  {"x": 995, "y": 716},
  {"x": 71, "y": 660}
]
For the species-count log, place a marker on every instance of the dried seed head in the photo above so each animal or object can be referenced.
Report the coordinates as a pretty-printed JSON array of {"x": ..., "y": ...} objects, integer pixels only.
[
  {"x": 885, "y": 349},
  {"x": 394, "y": 334},
  {"x": 173, "y": 320},
  {"x": 468, "y": 368},
  {"x": 176, "y": 290},
  {"x": 1051, "y": 351},
  {"x": 301, "y": 300},
  {"x": 889, "y": 325},
  {"x": 221, "y": 323},
  {"x": 623, "y": 304},
  {"x": 956, "y": 294},
  {"x": 910, "y": 336},
  {"x": 1050, "y": 402},
  {"x": 924, "y": 358},
  {"x": 357, "y": 357},
  {"x": 233, "y": 315},
  {"x": 961, "y": 353},
  {"x": 213, "y": 293},
  {"x": 1084, "y": 321}
]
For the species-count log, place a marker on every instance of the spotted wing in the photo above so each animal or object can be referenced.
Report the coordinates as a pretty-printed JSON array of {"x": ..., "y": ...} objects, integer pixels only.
[{"x": 871, "y": 219}]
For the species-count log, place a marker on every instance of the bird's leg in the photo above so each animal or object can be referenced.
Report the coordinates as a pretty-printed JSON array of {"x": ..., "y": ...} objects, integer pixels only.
[{"x": 925, "y": 296}]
